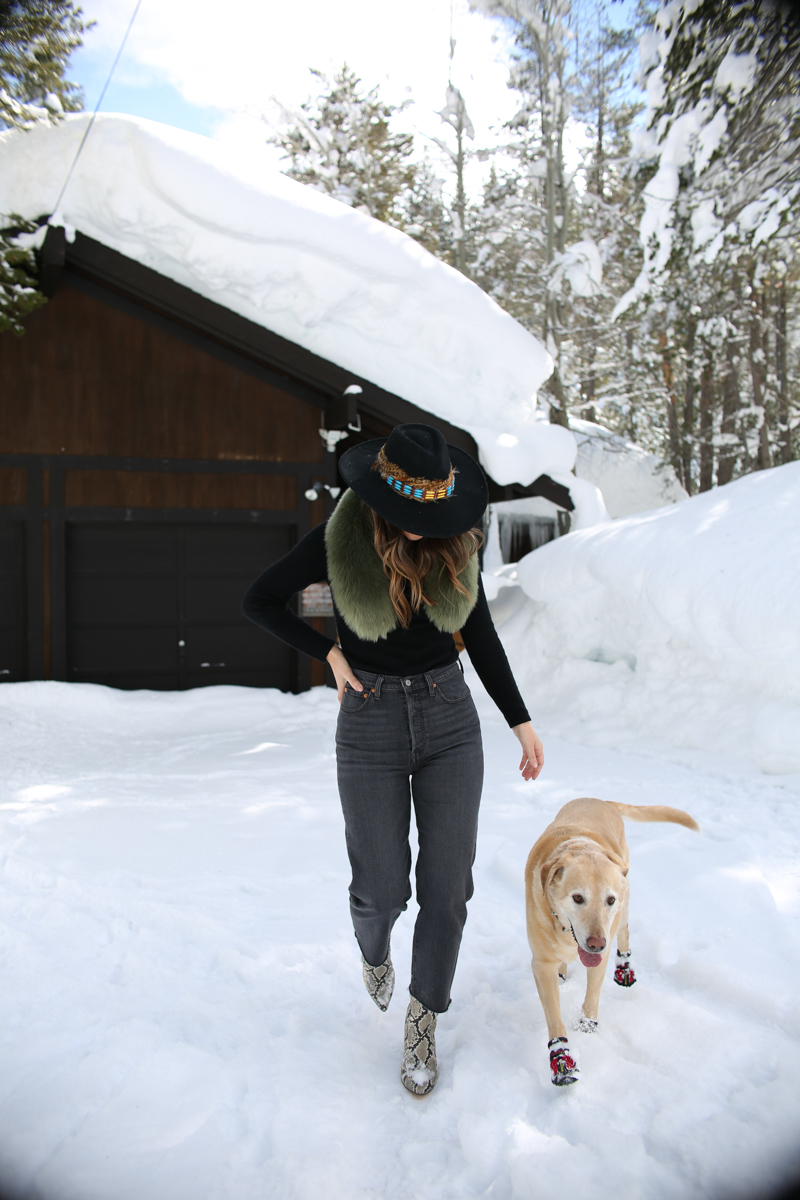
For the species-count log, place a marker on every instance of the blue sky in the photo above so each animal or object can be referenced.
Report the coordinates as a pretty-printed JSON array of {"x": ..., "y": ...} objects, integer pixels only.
[
  {"x": 184, "y": 66},
  {"x": 158, "y": 101}
]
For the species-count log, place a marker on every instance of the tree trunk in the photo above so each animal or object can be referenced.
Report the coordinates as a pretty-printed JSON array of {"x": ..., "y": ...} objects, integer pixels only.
[
  {"x": 588, "y": 365},
  {"x": 780, "y": 372},
  {"x": 558, "y": 404},
  {"x": 672, "y": 413},
  {"x": 758, "y": 375},
  {"x": 706, "y": 426},
  {"x": 591, "y": 388},
  {"x": 461, "y": 199},
  {"x": 730, "y": 407},
  {"x": 688, "y": 409},
  {"x": 598, "y": 171}
]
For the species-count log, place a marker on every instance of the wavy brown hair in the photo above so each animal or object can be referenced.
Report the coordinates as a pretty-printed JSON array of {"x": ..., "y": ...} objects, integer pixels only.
[{"x": 409, "y": 562}]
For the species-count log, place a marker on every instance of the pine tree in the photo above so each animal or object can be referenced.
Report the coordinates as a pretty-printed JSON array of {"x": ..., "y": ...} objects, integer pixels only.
[
  {"x": 509, "y": 245},
  {"x": 19, "y": 294},
  {"x": 717, "y": 298},
  {"x": 424, "y": 214},
  {"x": 36, "y": 40},
  {"x": 456, "y": 116},
  {"x": 341, "y": 143},
  {"x": 604, "y": 59},
  {"x": 541, "y": 73},
  {"x": 551, "y": 249}
]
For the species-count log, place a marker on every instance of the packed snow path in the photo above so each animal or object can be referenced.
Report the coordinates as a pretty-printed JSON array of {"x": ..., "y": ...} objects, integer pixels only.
[{"x": 183, "y": 1015}]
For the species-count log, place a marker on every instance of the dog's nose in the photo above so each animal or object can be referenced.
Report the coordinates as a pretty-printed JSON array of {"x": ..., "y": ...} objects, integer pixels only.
[{"x": 597, "y": 944}]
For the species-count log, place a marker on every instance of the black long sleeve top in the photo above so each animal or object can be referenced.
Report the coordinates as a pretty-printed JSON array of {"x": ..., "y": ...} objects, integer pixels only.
[{"x": 412, "y": 651}]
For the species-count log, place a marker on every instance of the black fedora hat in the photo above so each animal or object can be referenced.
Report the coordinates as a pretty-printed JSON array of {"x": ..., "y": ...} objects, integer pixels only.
[{"x": 417, "y": 482}]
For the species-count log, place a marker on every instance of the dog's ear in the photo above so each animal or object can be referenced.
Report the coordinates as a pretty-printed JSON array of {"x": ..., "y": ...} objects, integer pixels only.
[
  {"x": 550, "y": 872},
  {"x": 618, "y": 862}
]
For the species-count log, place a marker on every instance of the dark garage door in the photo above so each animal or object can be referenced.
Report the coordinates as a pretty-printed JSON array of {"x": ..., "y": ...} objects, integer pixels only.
[
  {"x": 157, "y": 606},
  {"x": 13, "y": 641}
]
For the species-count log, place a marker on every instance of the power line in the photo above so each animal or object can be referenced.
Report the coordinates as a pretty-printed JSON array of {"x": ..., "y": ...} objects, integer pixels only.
[{"x": 87, "y": 130}]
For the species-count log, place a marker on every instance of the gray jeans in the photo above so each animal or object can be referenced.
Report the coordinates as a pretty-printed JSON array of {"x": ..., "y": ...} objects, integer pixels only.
[{"x": 401, "y": 738}]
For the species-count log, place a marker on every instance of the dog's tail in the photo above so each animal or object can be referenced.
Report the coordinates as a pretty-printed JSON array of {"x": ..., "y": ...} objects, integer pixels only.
[{"x": 655, "y": 812}]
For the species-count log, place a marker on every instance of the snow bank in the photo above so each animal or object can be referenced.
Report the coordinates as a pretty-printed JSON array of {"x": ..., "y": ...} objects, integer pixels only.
[
  {"x": 682, "y": 624},
  {"x": 228, "y": 226},
  {"x": 631, "y": 479}
]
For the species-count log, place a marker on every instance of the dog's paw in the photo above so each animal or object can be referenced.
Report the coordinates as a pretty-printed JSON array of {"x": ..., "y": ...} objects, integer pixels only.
[
  {"x": 562, "y": 1064},
  {"x": 623, "y": 971},
  {"x": 586, "y": 1024}
]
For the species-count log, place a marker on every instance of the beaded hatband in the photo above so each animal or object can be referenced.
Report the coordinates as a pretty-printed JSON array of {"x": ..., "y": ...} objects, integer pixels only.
[{"x": 406, "y": 485}]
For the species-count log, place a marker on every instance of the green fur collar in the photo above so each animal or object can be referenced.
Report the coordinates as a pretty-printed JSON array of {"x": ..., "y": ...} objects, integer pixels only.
[{"x": 361, "y": 589}]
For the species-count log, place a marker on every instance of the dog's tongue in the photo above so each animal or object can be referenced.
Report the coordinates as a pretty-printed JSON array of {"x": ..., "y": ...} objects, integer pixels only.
[{"x": 589, "y": 960}]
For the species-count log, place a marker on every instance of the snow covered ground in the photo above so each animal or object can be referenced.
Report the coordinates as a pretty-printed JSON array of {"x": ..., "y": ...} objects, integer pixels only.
[
  {"x": 676, "y": 627},
  {"x": 182, "y": 1013}
]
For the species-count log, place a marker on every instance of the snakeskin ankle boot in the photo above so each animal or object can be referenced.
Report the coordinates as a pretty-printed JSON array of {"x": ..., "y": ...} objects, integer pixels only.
[
  {"x": 379, "y": 981},
  {"x": 419, "y": 1071}
]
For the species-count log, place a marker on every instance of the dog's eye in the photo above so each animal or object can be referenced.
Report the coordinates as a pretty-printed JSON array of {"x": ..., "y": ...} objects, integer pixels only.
[
  {"x": 577, "y": 898},
  {"x": 611, "y": 900}
]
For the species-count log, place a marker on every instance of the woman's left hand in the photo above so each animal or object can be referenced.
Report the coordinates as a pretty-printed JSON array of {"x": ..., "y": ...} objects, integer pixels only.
[{"x": 532, "y": 750}]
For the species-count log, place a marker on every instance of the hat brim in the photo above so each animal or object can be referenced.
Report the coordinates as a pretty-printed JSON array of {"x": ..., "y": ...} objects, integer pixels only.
[{"x": 430, "y": 518}]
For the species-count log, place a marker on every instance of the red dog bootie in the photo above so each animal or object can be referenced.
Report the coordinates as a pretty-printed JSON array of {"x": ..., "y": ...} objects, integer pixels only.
[
  {"x": 562, "y": 1064},
  {"x": 623, "y": 971}
]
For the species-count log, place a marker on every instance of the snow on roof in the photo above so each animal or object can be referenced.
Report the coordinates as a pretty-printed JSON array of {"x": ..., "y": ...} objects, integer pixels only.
[
  {"x": 541, "y": 449},
  {"x": 335, "y": 281}
]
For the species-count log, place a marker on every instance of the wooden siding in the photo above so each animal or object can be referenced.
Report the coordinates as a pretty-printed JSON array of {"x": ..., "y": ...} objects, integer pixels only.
[
  {"x": 90, "y": 379},
  {"x": 12, "y": 602},
  {"x": 13, "y": 485},
  {"x": 189, "y": 489},
  {"x": 124, "y": 425}
]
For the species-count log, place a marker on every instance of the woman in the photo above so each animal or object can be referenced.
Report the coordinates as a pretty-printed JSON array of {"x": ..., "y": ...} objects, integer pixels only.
[{"x": 400, "y": 554}]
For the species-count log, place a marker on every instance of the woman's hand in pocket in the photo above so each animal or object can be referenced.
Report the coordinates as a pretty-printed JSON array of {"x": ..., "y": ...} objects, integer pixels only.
[{"x": 342, "y": 672}]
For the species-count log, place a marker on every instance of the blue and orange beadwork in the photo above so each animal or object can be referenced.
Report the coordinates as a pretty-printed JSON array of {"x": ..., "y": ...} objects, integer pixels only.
[
  {"x": 418, "y": 493},
  {"x": 416, "y": 489}
]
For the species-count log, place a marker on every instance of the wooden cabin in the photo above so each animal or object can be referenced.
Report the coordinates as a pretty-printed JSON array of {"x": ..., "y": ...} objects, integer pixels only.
[{"x": 155, "y": 454}]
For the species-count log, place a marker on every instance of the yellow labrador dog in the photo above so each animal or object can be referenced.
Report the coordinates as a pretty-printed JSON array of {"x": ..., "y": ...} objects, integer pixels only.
[{"x": 576, "y": 894}]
